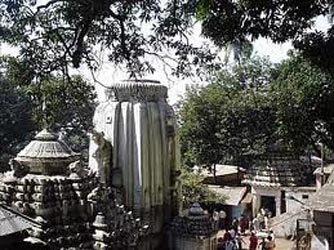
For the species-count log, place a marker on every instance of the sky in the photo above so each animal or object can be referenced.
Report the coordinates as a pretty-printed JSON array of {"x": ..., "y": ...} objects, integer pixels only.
[{"x": 109, "y": 74}]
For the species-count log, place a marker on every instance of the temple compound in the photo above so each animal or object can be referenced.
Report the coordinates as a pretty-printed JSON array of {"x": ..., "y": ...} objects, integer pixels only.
[{"x": 128, "y": 195}]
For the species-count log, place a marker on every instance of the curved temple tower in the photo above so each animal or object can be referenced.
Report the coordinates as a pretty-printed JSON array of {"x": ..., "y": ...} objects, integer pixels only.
[{"x": 134, "y": 147}]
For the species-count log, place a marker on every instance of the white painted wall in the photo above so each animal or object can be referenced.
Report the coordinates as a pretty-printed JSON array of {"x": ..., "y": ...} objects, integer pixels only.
[{"x": 299, "y": 194}]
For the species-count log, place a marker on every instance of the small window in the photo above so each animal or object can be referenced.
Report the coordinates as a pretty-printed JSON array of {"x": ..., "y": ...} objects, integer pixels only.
[{"x": 305, "y": 196}]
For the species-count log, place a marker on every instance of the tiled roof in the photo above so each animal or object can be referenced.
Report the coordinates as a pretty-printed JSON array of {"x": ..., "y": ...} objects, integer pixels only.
[{"x": 276, "y": 170}]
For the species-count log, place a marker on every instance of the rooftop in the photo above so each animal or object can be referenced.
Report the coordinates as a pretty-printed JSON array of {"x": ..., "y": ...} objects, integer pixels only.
[
  {"x": 323, "y": 200},
  {"x": 276, "y": 170},
  {"x": 233, "y": 195},
  {"x": 47, "y": 154},
  {"x": 222, "y": 170},
  {"x": 12, "y": 222}
]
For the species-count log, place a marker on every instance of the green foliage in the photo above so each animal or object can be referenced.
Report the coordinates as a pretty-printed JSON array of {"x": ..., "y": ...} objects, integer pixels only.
[
  {"x": 193, "y": 189},
  {"x": 59, "y": 103},
  {"x": 241, "y": 21},
  {"x": 253, "y": 107},
  {"x": 53, "y": 102},
  {"x": 15, "y": 117},
  {"x": 53, "y": 35},
  {"x": 16, "y": 122},
  {"x": 228, "y": 119},
  {"x": 303, "y": 95}
]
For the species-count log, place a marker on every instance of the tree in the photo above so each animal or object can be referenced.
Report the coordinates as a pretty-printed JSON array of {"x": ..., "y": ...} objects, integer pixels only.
[
  {"x": 55, "y": 103},
  {"x": 64, "y": 106},
  {"x": 16, "y": 122},
  {"x": 193, "y": 189},
  {"x": 229, "y": 119},
  {"x": 303, "y": 95},
  {"x": 55, "y": 34},
  {"x": 15, "y": 117},
  {"x": 239, "y": 22},
  {"x": 255, "y": 106}
]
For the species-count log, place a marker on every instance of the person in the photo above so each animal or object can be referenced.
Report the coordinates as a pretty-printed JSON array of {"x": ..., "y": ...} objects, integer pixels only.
[
  {"x": 235, "y": 224},
  {"x": 265, "y": 222},
  {"x": 229, "y": 245},
  {"x": 215, "y": 217},
  {"x": 255, "y": 224},
  {"x": 262, "y": 245},
  {"x": 270, "y": 244},
  {"x": 227, "y": 236},
  {"x": 221, "y": 244},
  {"x": 253, "y": 241},
  {"x": 271, "y": 234},
  {"x": 239, "y": 241},
  {"x": 243, "y": 224},
  {"x": 222, "y": 216},
  {"x": 233, "y": 233}
]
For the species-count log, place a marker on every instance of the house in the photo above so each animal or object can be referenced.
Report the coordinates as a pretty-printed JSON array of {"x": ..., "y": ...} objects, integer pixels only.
[
  {"x": 275, "y": 176},
  {"x": 226, "y": 182}
]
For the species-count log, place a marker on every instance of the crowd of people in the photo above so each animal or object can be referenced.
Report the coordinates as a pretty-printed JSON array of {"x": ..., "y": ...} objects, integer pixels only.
[{"x": 261, "y": 237}]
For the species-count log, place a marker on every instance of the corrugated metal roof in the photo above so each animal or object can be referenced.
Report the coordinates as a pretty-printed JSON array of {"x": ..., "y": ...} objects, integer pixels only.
[
  {"x": 233, "y": 195},
  {"x": 323, "y": 200},
  {"x": 12, "y": 223},
  {"x": 222, "y": 170}
]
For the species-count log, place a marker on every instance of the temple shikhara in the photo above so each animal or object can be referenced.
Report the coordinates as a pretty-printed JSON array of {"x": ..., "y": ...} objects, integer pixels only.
[{"x": 128, "y": 195}]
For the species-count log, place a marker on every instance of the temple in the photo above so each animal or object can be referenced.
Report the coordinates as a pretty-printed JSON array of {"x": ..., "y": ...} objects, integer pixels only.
[
  {"x": 134, "y": 147},
  {"x": 127, "y": 196}
]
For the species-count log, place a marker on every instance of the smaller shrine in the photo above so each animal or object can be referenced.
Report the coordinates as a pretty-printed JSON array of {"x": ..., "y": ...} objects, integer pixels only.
[
  {"x": 195, "y": 230},
  {"x": 74, "y": 209}
]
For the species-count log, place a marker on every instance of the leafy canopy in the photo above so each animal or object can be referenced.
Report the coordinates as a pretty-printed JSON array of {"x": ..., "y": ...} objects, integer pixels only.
[
  {"x": 229, "y": 118},
  {"x": 256, "y": 105},
  {"x": 54, "y": 34},
  {"x": 303, "y": 97},
  {"x": 54, "y": 102},
  {"x": 193, "y": 189}
]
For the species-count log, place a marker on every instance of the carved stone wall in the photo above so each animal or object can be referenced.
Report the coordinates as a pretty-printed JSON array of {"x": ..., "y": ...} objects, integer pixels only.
[{"x": 144, "y": 160}]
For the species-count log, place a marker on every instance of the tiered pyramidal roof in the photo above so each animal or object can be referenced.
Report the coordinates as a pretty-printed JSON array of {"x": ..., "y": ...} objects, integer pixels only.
[{"x": 47, "y": 154}]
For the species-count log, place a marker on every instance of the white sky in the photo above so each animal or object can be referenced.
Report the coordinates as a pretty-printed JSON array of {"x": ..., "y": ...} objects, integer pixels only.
[{"x": 108, "y": 74}]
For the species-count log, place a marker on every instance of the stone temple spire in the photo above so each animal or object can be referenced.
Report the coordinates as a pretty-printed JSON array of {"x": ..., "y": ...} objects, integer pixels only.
[{"x": 135, "y": 147}]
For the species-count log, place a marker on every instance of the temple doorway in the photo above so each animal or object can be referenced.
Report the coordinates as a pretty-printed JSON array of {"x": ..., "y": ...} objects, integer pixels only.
[{"x": 269, "y": 204}]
